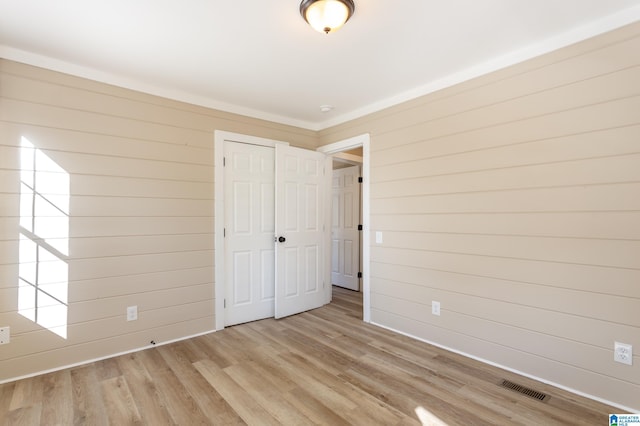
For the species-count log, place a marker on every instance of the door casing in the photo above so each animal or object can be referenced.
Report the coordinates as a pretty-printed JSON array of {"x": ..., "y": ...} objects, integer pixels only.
[{"x": 363, "y": 141}]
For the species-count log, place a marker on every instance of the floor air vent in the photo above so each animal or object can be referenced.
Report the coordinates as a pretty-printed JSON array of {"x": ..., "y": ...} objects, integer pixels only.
[{"x": 524, "y": 390}]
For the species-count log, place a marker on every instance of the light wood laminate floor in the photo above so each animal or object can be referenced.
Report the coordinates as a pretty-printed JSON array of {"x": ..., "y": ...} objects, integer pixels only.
[{"x": 320, "y": 367}]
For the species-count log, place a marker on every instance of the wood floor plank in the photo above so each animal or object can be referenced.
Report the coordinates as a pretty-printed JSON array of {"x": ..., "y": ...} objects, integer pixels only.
[
  {"x": 88, "y": 406},
  {"x": 181, "y": 406},
  {"x": 211, "y": 403},
  {"x": 351, "y": 402},
  {"x": 144, "y": 390},
  {"x": 246, "y": 407},
  {"x": 315, "y": 380},
  {"x": 324, "y": 366},
  {"x": 107, "y": 369},
  {"x": 6, "y": 395},
  {"x": 213, "y": 350},
  {"x": 27, "y": 393},
  {"x": 317, "y": 412},
  {"x": 57, "y": 391},
  {"x": 30, "y": 415},
  {"x": 266, "y": 394},
  {"x": 119, "y": 403}
]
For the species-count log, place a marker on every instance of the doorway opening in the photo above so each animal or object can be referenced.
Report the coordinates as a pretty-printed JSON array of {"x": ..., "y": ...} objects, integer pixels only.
[
  {"x": 348, "y": 150},
  {"x": 346, "y": 220}
]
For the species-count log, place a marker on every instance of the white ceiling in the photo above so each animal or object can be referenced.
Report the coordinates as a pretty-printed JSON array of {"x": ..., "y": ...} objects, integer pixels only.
[{"x": 260, "y": 58}]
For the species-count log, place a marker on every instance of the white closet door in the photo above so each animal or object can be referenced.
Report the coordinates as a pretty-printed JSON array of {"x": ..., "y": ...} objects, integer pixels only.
[
  {"x": 301, "y": 197},
  {"x": 249, "y": 232}
]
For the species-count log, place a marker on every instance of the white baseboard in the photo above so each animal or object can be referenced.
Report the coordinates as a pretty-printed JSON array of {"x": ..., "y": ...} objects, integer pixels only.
[
  {"x": 78, "y": 364},
  {"x": 512, "y": 370}
]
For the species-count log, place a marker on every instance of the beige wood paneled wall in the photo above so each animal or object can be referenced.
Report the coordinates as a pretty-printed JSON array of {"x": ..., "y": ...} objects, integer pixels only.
[
  {"x": 514, "y": 200},
  {"x": 141, "y": 171}
]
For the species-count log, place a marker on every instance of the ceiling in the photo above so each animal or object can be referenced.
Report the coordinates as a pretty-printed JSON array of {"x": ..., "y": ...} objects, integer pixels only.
[{"x": 260, "y": 58}]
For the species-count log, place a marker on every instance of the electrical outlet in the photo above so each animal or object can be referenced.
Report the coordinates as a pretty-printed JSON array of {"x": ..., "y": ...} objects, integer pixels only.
[
  {"x": 5, "y": 335},
  {"x": 132, "y": 313},
  {"x": 435, "y": 308},
  {"x": 623, "y": 353}
]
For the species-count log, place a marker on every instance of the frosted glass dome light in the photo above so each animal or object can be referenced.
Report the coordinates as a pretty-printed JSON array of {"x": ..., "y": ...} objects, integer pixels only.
[{"x": 326, "y": 16}]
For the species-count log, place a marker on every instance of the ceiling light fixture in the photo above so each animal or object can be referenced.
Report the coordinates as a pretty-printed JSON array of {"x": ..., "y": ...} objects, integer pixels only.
[{"x": 327, "y": 16}]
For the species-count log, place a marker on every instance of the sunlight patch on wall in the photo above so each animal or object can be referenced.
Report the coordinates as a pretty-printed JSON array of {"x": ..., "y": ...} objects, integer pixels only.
[{"x": 43, "y": 276}]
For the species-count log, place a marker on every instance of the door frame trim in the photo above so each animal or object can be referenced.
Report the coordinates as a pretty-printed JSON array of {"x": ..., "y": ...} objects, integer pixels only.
[
  {"x": 220, "y": 137},
  {"x": 363, "y": 141}
]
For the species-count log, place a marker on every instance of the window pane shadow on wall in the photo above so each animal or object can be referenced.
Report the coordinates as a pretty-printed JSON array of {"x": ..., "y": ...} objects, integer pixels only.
[{"x": 43, "y": 273}]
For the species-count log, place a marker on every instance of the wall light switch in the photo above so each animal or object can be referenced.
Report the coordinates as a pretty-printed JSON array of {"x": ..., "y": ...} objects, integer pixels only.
[
  {"x": 435, "y": 308},
  {"x": 378, "y": 237},
  {"x": 5, "y": 335},
  {"x": 132, "y": 313}
]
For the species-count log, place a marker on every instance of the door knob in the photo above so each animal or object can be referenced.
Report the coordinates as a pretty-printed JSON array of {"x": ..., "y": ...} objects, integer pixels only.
[{"x": 282, "y": 239}]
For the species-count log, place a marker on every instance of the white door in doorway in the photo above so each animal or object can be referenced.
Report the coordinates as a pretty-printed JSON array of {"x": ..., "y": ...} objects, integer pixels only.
[
  {"x": 249, "y": 178},
  {"x": 345, "y": 237},
  {"x": 302, "y": 183}
]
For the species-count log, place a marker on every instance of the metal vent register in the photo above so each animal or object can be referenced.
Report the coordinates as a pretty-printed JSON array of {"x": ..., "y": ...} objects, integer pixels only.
[{"x": 524, "y": 390}]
